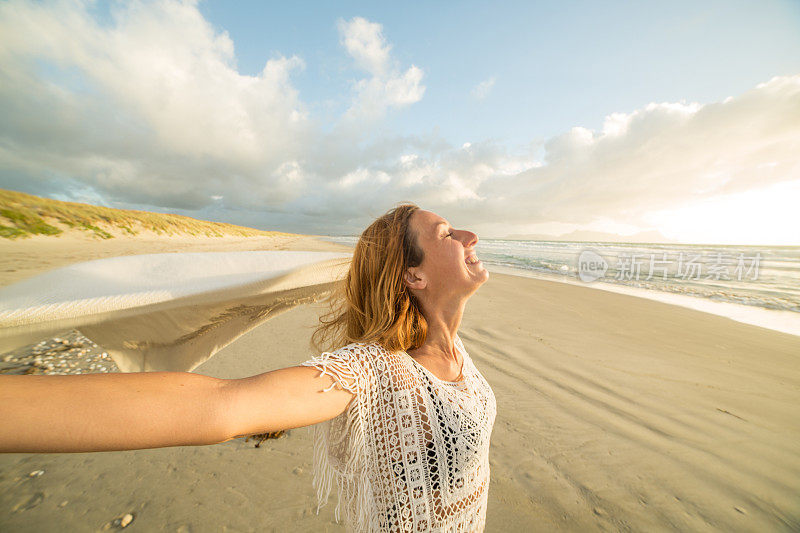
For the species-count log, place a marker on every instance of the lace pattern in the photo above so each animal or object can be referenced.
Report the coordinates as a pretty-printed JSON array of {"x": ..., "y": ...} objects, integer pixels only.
[{"x": 411, "y": 452}]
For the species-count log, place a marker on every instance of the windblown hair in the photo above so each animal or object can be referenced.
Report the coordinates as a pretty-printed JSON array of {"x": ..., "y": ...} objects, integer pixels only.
[{"x": 372, "y": 303}]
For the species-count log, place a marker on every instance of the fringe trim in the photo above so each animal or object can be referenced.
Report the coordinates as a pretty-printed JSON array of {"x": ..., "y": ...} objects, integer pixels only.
[
  {"x": 358, "y": 501},
  {"x": 323, "y": 472}
]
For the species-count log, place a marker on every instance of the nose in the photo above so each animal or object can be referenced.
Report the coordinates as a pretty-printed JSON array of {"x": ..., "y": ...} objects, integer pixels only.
[{"x": 470, "y": 238}]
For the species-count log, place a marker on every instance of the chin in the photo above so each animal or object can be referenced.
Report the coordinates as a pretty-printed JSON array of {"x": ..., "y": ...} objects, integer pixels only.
[{"x": 483, "y": 278}]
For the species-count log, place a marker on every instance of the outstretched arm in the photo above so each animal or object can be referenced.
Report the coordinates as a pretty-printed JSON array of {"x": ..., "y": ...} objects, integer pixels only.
[
  {"x": 139, "y": 410},
  {"x": 286, "y": 398}
]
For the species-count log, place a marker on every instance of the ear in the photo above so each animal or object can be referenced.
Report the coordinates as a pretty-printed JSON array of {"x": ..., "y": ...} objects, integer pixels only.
[{"x": 414, "y": 279}]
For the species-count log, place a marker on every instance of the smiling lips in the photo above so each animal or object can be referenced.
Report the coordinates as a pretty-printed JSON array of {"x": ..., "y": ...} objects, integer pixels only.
[{"x": 471, "y": 259}]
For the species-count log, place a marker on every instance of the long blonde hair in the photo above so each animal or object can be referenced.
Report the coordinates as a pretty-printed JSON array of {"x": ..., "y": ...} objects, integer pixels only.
[{"x": 372, "y": 303}]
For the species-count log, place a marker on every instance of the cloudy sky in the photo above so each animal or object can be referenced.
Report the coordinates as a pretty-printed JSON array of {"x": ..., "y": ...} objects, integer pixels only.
[{"x": 546, "y": 117}]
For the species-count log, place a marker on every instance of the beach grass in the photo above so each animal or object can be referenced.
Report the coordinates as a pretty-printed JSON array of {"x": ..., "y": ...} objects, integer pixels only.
[{"x": 24, "y": 215}]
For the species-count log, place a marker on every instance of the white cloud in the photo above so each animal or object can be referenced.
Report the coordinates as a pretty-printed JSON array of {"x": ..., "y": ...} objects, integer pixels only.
[
  {"x": 388, "y": 86},
  {"x": 152, "y": 102},
  {"x": 660, "y": 157},
  {"x": 365, "y": 43},
  {"x": 149, "y": 111},
  {"x": 616, "y": 124},
  {"x": 483, "y": 89}
]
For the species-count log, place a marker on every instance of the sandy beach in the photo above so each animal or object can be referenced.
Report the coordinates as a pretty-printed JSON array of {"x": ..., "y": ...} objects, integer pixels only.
[
  {"x": 25, "y": 258},
  {"x": 615, "y": 413}
]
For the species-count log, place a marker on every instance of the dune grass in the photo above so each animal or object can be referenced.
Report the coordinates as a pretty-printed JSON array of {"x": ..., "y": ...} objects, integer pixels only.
[{"x": 23, "y": 215}]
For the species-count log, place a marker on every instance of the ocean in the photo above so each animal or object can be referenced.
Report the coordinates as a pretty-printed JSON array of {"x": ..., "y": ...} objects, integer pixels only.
[{"x": 758, "y": 285}]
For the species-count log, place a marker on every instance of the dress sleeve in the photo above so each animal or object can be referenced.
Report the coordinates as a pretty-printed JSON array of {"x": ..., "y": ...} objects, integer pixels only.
[{"x": 343, "y": 365}]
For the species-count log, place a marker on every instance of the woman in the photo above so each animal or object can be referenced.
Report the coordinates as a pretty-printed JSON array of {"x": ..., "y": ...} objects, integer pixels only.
[{"x": 405, "y": 423}]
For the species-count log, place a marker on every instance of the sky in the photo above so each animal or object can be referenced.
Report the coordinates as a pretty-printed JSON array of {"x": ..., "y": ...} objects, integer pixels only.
[{"x": 316, "y": 117}]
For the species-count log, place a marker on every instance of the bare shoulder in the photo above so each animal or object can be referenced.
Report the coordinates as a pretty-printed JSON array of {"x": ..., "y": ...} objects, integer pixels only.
[{"x": 355, "y": 361}]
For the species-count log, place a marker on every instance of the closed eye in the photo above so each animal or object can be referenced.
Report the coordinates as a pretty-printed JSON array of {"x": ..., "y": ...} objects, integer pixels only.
[{"x": 448, "y": 235}]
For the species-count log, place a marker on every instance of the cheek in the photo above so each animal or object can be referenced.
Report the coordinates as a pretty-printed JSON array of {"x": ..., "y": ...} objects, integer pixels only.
[
  {"x": 456, "y": 260},
  {"x": 447, "y": 263}
]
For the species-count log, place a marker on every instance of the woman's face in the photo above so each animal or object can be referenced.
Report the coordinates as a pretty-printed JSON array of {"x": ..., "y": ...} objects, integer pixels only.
[{"x": 444, "y": 270}]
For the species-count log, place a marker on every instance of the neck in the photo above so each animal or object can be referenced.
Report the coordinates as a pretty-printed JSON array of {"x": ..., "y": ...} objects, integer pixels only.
[{"x": 443, "y": 322}]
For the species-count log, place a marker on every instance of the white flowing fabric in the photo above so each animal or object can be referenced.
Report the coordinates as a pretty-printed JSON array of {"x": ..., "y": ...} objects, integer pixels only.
[
  {"x": 411, "y": 451},
  {"x": 165, "y": 312}
]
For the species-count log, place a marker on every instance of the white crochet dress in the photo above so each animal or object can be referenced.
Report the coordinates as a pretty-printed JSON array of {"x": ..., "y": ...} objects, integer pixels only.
[{"x": 411, "y": 451}]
